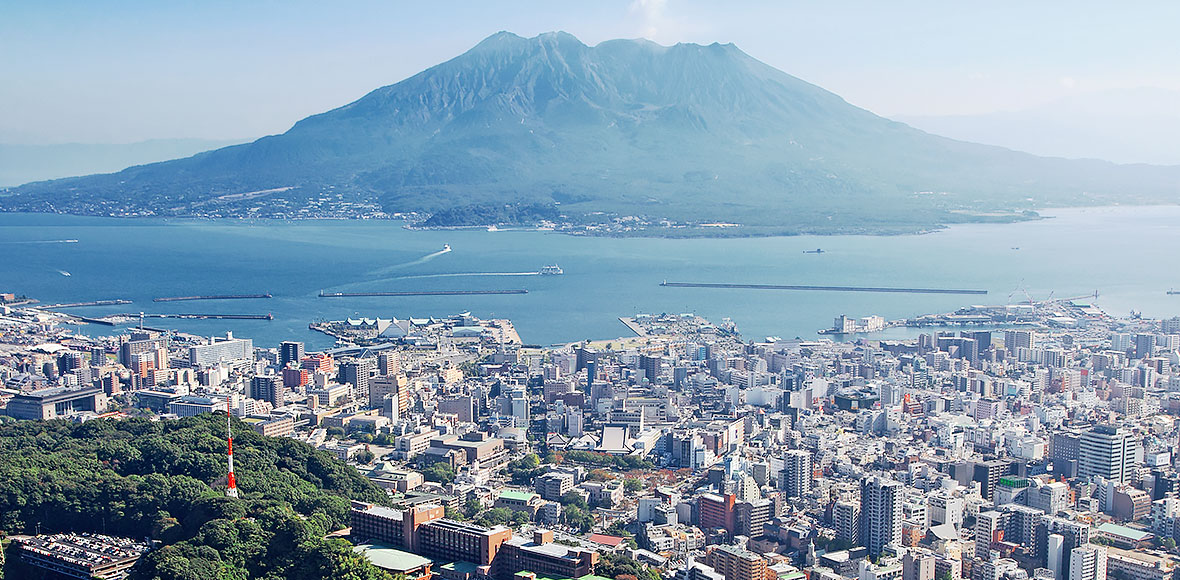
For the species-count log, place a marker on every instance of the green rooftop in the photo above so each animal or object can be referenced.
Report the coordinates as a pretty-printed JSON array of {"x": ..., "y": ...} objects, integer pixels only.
[
  {"x": 388, "y": 558},
  {"x": 1124, "y": 532},
  {"x": 586, "y": 577},
  {"x": 461, "y": 566},
  {"x": 517, "y": 495}
]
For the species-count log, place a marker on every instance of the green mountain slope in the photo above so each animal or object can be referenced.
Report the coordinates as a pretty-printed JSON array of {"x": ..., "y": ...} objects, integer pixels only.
[
  {"x": 687, "y": 132},
  {"x": 165, "y": 480}
]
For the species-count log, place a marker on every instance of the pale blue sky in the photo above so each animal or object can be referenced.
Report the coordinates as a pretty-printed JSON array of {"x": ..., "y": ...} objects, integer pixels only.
[{"x": 126, "y": 70}]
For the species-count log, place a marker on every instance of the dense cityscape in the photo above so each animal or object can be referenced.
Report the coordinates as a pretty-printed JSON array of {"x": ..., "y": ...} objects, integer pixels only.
[{"x": 1038, "y": 450}]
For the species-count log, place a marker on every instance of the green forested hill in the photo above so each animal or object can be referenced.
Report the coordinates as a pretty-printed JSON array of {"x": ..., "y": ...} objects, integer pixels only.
[{"x": 165, "y": 480}]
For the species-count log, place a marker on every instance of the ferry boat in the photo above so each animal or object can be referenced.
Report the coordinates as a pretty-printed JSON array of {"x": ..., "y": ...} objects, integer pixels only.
[
  {"x": 446, "y": 247},
  {"x": 815, "y": 251},
  {"x": 552, "y": 270}
]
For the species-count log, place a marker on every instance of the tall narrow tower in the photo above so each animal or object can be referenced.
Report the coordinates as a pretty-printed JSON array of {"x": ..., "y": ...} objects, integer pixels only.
[{"x": 231, "y": 486}]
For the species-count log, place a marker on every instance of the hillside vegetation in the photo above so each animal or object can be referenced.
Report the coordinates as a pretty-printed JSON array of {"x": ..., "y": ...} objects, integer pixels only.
[{"x": 165, "y": 480}]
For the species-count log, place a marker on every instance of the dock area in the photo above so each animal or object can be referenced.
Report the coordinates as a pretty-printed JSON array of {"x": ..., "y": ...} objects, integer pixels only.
[
  {"x": 213, "y": 297},
  {"x": 421, "y": 293},
  {"x": 91, "y": 303},
  {"x": 633, "y": 326},
  {"x": 203, "y": 316},
  {"x": 821, "y": 288}
]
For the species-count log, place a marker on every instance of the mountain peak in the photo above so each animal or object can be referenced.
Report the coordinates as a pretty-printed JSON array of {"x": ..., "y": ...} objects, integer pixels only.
[
  {"x": 630, "y": 127},
  {"x": 504, "y": 39}
]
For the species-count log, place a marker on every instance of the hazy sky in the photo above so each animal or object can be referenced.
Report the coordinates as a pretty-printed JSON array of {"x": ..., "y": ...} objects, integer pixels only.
[{"x": 125, "y": 70}]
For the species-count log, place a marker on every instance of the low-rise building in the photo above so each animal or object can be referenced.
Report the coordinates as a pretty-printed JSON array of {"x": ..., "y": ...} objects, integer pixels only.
[
  {"x": 519, "y": 501},
  {"x": 82, "y": 555}
]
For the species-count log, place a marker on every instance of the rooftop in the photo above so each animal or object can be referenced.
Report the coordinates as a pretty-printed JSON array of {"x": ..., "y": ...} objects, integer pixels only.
[
  {"x": 388, "y": 558},
  {"x": 1124, "y": 532},
  {"x": 517, "y": 495},
  {"x": 605, "y": 540}
]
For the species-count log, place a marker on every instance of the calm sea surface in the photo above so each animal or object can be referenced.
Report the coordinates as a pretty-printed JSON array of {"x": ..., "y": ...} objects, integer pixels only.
[{"x": 1128, "y": 254}]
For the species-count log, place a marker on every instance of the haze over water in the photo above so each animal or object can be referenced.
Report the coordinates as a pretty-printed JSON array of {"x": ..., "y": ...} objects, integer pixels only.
[{"x": 1126, "y": 253}]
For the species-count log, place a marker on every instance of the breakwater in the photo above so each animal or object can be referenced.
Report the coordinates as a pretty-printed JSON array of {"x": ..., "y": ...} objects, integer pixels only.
[
  {"x": 821, "y": 288},
  {"x": 420, "y": 293},
  {"x": 212, "y": 297}
]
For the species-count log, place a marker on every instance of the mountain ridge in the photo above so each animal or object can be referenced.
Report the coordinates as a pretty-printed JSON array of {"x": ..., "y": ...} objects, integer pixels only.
[{"x": 685, "y": 133}]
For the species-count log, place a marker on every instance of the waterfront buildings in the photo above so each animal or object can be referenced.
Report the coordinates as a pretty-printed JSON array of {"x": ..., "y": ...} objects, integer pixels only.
[{"x": 954, "y": 453}]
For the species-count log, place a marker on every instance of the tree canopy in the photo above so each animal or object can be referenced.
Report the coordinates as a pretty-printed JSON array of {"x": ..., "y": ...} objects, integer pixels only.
[{"x": 166, "y": 479}]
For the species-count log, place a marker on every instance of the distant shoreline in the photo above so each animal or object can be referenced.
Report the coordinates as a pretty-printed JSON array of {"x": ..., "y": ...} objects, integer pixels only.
[
  {"x": 687, "y": 231},
  {"x": 647, "y": 232}
]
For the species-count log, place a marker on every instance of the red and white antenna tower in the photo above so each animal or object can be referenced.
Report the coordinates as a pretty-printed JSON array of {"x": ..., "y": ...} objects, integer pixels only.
[{"x": 231, "y": 486}]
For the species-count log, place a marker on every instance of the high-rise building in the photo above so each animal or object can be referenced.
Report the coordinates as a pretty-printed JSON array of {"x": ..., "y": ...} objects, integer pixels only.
[
  {"x": 1014, "y": 339},
  {"x": 585, "y": 356},
  {"x": 1073, "y": 535},
  {"x": 698, "y": 571},
  {"x": 553, "y": 485},
  {"x": 268, "y": 388},
  {"x": 989, "y": 526},
  {"x": 988, "y": 474},
  {"x": 462, "y": 406},
  {"x": 1065, "y": 449},
  {"x": 846, "y": 515},
  {"x": 735, "y": 563},
  {"x": 1087, "y": 563},
  {"x": 388, "y": 363},
  {"x": 295, "y": 378},
  {"x": 751, "y": 517},
  {"x": 1106, "y": 451},
  {"x": 942, "y": 507},
  {"x": 880, "y": 513},
  {"x": 1048, "y": 497},
  {"x": 796, "y": 473},
  {"x": 996, "y": 569},
  {"x": 1053, "y": 551},
  {"x": 651, "y": 367},
  {"x": 140, "y": 343},
  {"x": 716, "y": 511},
  {"x": 1144, "y": 345},
  {"x": 982, "y": 337},
  {"x": 318, "y": 362},
  {"x": 357, "y": 372},
  {"x": 219, "y": 350},
  {"x": 290, "y": 351},
  {"x": 917, "y": 566}
]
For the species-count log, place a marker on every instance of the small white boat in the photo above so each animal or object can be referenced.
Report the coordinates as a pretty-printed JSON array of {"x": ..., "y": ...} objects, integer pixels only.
[
  {"x": 446, "y": 247},
  {"x": 552, "y": 270}
]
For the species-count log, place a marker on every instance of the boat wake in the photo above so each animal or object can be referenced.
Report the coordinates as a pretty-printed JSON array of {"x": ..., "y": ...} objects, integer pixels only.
[
  {"x": 41, "y": 242},
  {"x": 468, "y": 274},
  {"x": 422, "y": 260}
]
